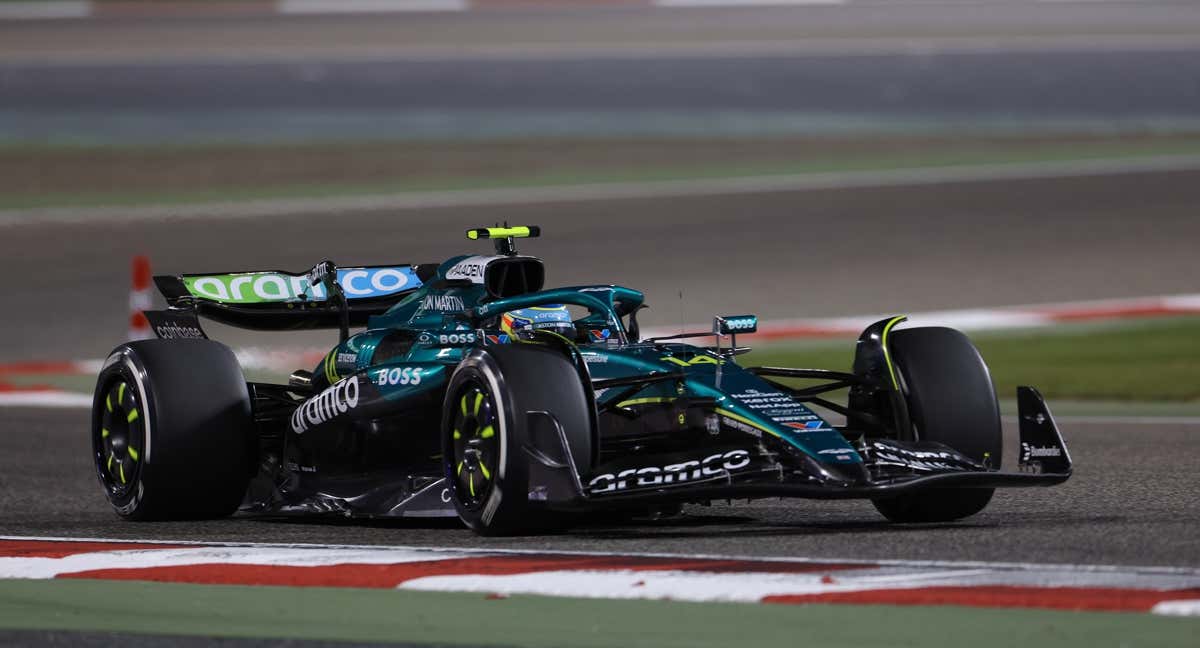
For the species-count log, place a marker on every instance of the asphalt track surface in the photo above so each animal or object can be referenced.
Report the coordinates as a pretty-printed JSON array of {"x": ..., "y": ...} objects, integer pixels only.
[
  {"x": 1000, "y": 66},
  {"x": 1131, "y": 502},
  {"x": 555, "y": 32},
  {"x": 778, "y": 254},
  {"x": 781, "y": 254},
  {"x": 1067, "y": 84}
]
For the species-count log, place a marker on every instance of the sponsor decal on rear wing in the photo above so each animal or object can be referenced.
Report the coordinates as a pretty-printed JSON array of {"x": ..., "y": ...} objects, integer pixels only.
[
  {"x": 276, "y": 300},
  {"x": 368, "y": 282}
]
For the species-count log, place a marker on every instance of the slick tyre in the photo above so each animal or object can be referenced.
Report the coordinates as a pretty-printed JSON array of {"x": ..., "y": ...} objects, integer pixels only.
[
  {"x": 172, "y": 430},
  {"x": 951, "y": 400},
  {"x": 485, "y": 429}
]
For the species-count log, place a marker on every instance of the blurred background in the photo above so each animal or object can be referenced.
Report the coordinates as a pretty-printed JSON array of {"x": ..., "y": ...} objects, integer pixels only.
[{"x": 798, "y": 159}]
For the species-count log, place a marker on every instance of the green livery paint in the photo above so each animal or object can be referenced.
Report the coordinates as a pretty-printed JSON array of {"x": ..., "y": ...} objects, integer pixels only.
[{"x": 428, "y": 406}]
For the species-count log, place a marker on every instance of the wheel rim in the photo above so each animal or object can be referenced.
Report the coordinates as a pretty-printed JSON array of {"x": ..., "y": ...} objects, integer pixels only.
[
  {"x": 475, "y": 436},
  {"x": 121, "y": 438}
]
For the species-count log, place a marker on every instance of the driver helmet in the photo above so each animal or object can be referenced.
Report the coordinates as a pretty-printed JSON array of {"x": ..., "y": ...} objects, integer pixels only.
[{"x": 552, "y": 317}]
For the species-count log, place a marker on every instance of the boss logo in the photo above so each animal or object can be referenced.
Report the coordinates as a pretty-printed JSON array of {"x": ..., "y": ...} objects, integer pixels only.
[
  {"x": 456, "y": 338},
  {"x": 399, "y": 376},
  {"x": 735, "y": 324}
]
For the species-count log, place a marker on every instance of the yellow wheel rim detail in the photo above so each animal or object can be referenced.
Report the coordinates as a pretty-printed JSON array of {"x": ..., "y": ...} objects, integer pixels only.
[
  {"x": 133, "y": 453},
  {"x": 484, "y": 470},
  {"x": 122, "y": 468},
  {"x": 108, "y": 402},
  {"x": 133, "y": 414},
  {"x": 457, "y": 435},
  {"x": 103, "y": 433},
  {"x": 487, "y": 432},
  {"x": 463, "y": 402},
  {"x": 121, "y": 393},
  {"x": 460, "y": 467},
  {"x": 478, "y": 402}
]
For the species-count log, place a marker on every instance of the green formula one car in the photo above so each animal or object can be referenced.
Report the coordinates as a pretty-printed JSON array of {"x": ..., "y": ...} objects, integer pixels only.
[{"x": 471, "y": 391}]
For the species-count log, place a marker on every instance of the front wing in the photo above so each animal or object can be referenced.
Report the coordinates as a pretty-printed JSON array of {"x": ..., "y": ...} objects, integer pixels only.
[{"x": 1043, "y": 461}]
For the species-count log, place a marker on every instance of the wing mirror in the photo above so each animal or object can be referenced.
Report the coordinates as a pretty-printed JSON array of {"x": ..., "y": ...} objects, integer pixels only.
[{"x": 734, "y": 324}]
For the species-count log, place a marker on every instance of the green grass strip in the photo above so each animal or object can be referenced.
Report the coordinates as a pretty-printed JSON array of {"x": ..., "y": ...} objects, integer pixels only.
[
  {"x": 1139, "y": 368},
  {"x": 1147, "y": 360},
  {"x": 445, "y": 618}
]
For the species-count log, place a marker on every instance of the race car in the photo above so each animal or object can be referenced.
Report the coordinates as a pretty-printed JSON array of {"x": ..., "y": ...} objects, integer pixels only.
[{"x": 464, "y": 388}]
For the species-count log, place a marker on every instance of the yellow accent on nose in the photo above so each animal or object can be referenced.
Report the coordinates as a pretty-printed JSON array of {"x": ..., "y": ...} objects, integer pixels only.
[
  {"x": 133, "y": 414},
  {"x": 486, "y": 474},
  {"x": 487, "y": 432},
  {"x": 121, "y": 393},
  {"x": 103, "y": 433},
  {"x": 478, "y": 402},
  {"x": 133, "y": 452},
  {"x": 457, "y": 435}
]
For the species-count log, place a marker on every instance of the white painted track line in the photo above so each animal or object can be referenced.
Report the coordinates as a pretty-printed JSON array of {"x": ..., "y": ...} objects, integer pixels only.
[
  {"x": 1177, "y": 608},
  {"x": 743, "y": 3},
  {"x": 606, "y": 191},
  {"x": 938, "y": 564},
  {"x": 367, "y": 6},
  {"x": 49, "y": 398},
  {"x": 34, "y": 10}
]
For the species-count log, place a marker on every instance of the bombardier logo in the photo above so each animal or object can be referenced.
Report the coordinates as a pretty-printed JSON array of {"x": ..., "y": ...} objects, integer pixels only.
[
  {"x": 335, "y": 400},
  {"x": 684, "y": 471},
  {"x": 1029, "y": 451}
]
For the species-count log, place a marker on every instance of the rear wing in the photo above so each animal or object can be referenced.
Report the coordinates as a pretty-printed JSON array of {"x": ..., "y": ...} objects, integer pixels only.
[{"x": 274, "y": 300}]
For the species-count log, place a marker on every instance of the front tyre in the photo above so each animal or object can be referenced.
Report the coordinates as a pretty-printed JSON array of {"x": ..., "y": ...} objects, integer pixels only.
[
  {"x": 951, "y": 400},
  {"x": 172, "y": 430},
  {"x": 485, "y": 428}
]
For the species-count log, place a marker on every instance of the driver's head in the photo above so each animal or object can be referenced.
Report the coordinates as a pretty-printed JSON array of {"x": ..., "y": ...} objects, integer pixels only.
[{"x": 552, "y": 317}]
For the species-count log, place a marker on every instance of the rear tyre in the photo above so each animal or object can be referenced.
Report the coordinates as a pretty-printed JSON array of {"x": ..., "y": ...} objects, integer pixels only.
[
  {"x": 484, "y": 429},
  {"x": 172, "y": 430},
  {"x": 951, "y": 400}
]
